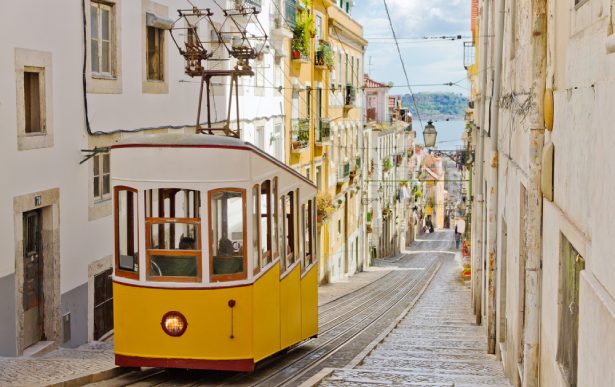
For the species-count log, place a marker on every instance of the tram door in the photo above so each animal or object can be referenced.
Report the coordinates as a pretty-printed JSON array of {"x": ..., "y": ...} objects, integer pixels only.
[{"x": 33, "y": 278}]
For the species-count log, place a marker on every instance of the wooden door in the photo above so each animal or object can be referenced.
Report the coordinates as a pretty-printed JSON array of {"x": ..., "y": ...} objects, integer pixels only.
[
  {"x": 33, "y": 299},
  {"x": 103, "y": 304}
]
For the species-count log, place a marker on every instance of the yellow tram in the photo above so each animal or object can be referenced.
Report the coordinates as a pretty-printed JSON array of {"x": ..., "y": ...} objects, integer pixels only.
[{"x": 215, "y": 256}]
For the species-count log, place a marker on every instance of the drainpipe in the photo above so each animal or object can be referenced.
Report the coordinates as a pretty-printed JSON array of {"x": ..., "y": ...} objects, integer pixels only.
[
  {"x": 478, "y": 232},
  {"x": 531, "y": 342},
  {"x": 492, "y": 192}
]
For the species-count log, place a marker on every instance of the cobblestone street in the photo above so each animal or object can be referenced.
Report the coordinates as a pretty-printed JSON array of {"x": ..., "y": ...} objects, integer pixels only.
[{"x": 437, "y": 343}]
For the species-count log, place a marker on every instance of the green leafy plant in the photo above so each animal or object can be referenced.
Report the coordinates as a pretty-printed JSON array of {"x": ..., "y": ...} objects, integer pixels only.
[
  {"x": 324, "y": 55},
  {"x": 387, "y": 164},
  {"x": 303, "y": 32}
]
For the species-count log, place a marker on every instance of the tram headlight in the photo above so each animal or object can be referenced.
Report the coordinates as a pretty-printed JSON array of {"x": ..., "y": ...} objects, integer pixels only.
[{"x": 174, "y": 324}]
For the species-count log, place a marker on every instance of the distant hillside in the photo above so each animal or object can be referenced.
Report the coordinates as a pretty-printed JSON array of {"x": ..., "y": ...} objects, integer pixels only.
[{"x": 437, "y": 105}]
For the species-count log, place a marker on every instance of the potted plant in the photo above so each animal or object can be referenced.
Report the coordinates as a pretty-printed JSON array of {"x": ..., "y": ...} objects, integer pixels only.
[
  {"x": 324, "y": 55},
  {"x": 297, "y": 42},
  {"x": 324, "y": 207}
]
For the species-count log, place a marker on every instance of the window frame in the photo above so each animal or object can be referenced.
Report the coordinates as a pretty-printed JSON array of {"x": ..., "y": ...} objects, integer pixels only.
[
  {"x": 275, "y": 221},
  {"x": 287, "y": 265},
  {"x": 173, "y": 252},
  {"x": 308, "y": 230},
  {"x": 102, "y": 197},
  {"x": 256, "y": 229},
  {"x": 111, "y": 74},
  {"x": 40, "y": 107},
  {"x": 160, "y": 37},
  {"x": 264, "y": 261},
  {"x": 117, "y": 270},
  {"x": 236, "y": 276}
]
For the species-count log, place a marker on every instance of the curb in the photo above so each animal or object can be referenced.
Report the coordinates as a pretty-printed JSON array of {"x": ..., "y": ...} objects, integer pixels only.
[{"x": 92, "y": 378}]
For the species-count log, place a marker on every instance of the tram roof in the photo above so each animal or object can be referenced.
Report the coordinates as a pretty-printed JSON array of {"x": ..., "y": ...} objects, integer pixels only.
[{"x": 190, "y": 140}]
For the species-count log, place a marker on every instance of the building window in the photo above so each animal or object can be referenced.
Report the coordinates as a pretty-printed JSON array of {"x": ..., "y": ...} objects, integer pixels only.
[
  {"x": 33, "y": 101},
  {"x": 571, "y": 266},
  {"x": 102, "y": 180},
  {"x": 101, "y": 27},
  {"x": 155, "y": 61}
]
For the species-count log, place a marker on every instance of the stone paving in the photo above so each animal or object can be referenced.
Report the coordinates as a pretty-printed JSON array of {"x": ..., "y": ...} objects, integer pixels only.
[
  {"x": 436, "y": 344},
  {"x": 57, "y": 367},
  {"x": 94, "y": 360}
]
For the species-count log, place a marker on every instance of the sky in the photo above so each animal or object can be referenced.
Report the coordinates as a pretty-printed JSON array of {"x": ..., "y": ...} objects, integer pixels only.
[{"x": 427, "y": 61}]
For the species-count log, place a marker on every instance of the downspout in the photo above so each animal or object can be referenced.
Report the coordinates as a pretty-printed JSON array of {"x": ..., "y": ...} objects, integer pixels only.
[
  {"x": 492, "y": 194},
  {"x": 478, "y": 245},
  {"x": 531, "y": 342}
]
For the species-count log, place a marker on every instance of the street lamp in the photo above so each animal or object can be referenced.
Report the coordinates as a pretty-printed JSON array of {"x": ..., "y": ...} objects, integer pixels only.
[{"x": 429, "y": 134}]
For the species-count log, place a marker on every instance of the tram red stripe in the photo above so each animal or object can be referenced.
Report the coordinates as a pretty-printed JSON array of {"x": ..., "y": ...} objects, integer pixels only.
[{"x": 243, "y": 365}]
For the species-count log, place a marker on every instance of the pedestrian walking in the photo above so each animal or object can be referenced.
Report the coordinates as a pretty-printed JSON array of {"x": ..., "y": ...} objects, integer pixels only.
[{"x": 457, "y": 238}]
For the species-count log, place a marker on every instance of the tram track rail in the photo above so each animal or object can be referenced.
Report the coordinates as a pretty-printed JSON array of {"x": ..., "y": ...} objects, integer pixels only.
[{"x": 307, "y": 364}]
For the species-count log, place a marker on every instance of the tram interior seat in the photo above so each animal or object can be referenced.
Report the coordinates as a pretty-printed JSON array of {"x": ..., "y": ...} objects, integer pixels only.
[
  {"x": 174, "y": 266},
  {"x": 229, "y": 259}
]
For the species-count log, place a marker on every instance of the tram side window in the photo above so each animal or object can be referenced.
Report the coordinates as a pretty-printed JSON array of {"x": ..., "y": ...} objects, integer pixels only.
[
  {"x": 173, "y": 237},
  {"x": 126, "y": 232},
  {"x": 275, "y": 230},
  {"x": 289, "y": 228},
  {"x": 282, "y": 233},
  {"x": 265, "y": 223},
  {"x": 308, "y": 232},
  {"x": 226, "y": 220},
  {"x": 255, "y": 228}
]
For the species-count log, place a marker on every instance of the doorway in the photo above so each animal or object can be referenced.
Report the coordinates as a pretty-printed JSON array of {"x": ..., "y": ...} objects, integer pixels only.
[
  {"x": 103, "y": 304},
  {"x": 33, "y": 297}
]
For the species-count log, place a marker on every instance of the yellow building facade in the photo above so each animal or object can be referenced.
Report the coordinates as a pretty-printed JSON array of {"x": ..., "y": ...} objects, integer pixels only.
[{"x": 323, "y": 119}]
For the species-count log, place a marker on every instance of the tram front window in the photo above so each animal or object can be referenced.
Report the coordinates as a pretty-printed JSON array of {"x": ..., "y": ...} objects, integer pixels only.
[
  {"x": 227, "y": 236},
  {"x": 173, "y": 234}
]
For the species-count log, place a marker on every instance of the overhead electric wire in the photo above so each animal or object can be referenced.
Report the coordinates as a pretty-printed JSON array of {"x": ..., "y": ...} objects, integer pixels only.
[{"x": 403, "y": 65}]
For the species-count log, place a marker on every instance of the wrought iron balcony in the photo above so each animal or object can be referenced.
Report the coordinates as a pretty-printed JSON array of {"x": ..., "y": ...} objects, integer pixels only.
[
  {"x": 300, "y": 135},
  {"x": 323, "y": 131}
]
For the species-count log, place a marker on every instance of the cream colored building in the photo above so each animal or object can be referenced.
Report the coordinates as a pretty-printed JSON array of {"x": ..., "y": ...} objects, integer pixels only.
[{"x": 543, "y": 200}]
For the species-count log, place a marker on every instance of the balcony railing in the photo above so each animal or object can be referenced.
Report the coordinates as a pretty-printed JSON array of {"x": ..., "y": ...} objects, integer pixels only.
[
  {"x": 343, "y": 172},
  {"x": 323, "y": 131},
  {"x": 349, "y": 96},
  {"x": 300, "y": 135},
  {"x": 257, "y": 4}
]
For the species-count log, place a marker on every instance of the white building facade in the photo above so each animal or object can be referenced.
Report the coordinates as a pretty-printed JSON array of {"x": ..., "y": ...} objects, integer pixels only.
[{"x": 108, "y": 70}]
